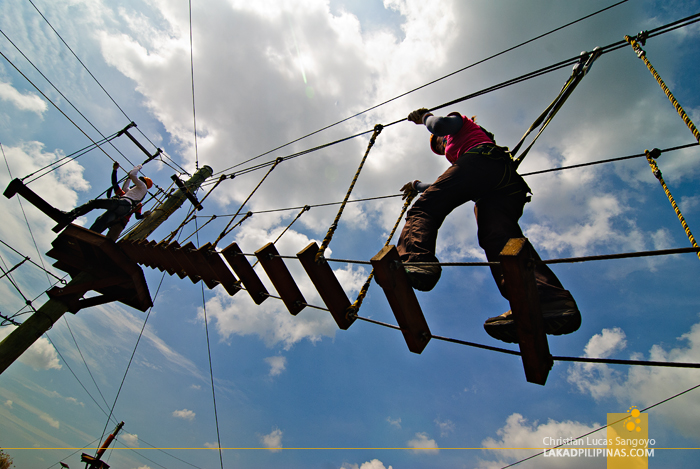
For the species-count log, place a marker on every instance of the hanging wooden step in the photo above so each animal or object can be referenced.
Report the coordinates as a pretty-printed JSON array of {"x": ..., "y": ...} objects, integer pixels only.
[
  {"x": 168, "y": 261},
  {"x": 280, "y": 277},
  {"x": 517, "y": 264},
  {"x": 240, "y": 265},
  {"x": 199, "y": 266},
  {"x": 221, "y": 270},
  {"x": 327, "y": 285},
  {"x": 390, "y": 275}
]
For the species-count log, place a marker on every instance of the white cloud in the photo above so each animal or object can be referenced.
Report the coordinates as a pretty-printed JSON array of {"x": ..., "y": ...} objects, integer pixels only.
[
  {"x": 24, "y": 102},
  {"x": 445, "y": 427},
  {"x": 519, "y": 439},
  {"x": 130, "y": 439},
  {"x": 423, "y": 444},
  {"x": 647, "y": 385},
  {"x": 394, "y": 422},
  {"x": 8, "y": 403},
  {"x": 277, "y": 364},
  {"x": 211, "y": 445},
  {"x": 50, "y": 420},
  {"x": 184, "y": 414},
  {"x": 40, "y": 356},
  {"x": 373, "y": 464},
  {"x": 273, "y": 440}
]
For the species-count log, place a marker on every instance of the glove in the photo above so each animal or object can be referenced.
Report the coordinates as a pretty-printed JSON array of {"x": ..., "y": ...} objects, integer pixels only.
[
  {"x": 417, "y": 115},
  {"x": 115, "y": 165},
  {"x": 408, "y": 190}
]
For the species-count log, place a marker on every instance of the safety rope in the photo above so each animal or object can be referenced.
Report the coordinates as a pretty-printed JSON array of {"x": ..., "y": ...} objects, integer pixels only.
[
  {"x": 651, "y": 156},
  {"x": 227, "y": 230},
  {"x": 306, "y": 208},
  {"x": 637, "y": 44},
  {"x": 326, "y": 241},
  {"x": 355, "y": 307},
  {"x": 580, "y": 70}
]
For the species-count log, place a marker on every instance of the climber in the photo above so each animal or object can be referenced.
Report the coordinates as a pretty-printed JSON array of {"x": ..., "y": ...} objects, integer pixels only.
[
  {"x": 116, "y": 207},
  {"x": 116, "y": 229},
  {"x": 481, "y": 171}
]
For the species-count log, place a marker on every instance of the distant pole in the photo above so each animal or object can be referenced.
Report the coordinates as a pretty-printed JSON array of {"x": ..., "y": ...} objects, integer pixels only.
[{"x": 19, "y": 340}]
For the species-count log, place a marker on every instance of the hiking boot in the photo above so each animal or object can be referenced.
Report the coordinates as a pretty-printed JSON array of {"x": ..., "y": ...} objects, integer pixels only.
[
  {"x": 558, "y": 317},
  {"x": 423, "y": 277},
  {"x": 67, "y": 220}
]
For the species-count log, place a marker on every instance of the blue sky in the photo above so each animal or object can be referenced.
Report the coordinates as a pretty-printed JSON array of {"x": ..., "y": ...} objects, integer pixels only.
[{"x": 296, "y": 391}]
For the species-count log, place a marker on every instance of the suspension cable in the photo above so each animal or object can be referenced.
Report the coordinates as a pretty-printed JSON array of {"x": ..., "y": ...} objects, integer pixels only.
[{"x": 326, "y": 241}]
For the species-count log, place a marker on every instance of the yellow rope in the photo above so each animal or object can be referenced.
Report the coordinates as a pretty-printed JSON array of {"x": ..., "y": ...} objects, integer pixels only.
[
  {"x": 355, "y": 307},
  {"x": 642, "y": 55},
  {"x": 657, "y": 172},
  {"x": 326, "y": 241}
]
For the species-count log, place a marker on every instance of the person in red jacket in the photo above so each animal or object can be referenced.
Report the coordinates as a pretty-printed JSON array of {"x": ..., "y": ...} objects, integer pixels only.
[{"x": 482, "y": 172}]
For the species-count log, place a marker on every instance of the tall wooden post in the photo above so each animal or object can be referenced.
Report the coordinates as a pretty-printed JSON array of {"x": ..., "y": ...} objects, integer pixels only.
[{"x": 19, "y": 340}]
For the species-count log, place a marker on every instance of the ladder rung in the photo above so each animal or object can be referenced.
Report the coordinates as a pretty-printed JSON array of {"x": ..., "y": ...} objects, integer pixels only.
[
  {"x": 281, "y": 278},
  {"x": 327, "y": 285},
  {"x": 390, "y": 275},
  {"x": 240, "y": 265}
]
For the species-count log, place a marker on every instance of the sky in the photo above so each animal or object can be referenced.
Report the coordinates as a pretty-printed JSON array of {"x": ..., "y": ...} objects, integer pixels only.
[{"x": 295, "y": 391}]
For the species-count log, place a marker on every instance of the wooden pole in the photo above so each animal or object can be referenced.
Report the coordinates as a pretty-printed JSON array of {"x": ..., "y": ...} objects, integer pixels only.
[{"x": 19, "y": 340}]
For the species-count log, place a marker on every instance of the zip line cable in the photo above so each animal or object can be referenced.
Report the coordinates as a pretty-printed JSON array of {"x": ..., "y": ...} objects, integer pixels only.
[
  {"x": 145, "y": 321},
  {"x": 100, "y": 84},
  {"x": 211, "y": 369},
  {"x": 434, "y": 81},
  {"x": 542, "y": 71},
  {"x": 194, "y": 112},
  {"x": 603, "y": 427},
  {"x": 63, "y": 96}
]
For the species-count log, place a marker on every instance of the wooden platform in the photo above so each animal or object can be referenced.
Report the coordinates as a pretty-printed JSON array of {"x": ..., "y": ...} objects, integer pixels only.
[{"x": 114, "y": 275}]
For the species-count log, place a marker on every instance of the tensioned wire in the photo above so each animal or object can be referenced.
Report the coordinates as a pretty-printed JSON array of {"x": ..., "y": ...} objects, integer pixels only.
[
  {"x": 551, "y": 68},
  {"x": 532, "y": 173},
  {"x": 103, "y": 88},
  {"x": 604, "y": 426},
  {"x": 434, "y": 81}
]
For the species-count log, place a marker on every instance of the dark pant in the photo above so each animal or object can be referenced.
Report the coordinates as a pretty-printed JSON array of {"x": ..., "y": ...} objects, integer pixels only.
[
  {"x": 485, "y": 174},
  {"x": 116, "y": 209}
]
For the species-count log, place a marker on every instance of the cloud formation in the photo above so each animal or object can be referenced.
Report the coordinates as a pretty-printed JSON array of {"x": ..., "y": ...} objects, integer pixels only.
[
  {"x": 422, "y": 443},
  {"x": 273, "y": 440},
  {"x": 277, "y": 364},
  {"x": 184, "y": 414},
  {"x": 650, "y": 384}
]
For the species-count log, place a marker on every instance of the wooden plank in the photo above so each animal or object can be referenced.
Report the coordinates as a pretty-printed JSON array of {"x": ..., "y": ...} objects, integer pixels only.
[
  {"x": 17, "y": 187},
  {"x": 519, "y": 278},
  {"x": 223, "y": 273},
  {"x": 170, "y": 252},
  {"x": 280, "y": 277},
  {"x": 252, "y": 283},
  {"x": 201, "y": 269},
  {"x": 327, "y": 285},
  {"x": 184, "y": 259},
  {"x": 390, "y": 275}
]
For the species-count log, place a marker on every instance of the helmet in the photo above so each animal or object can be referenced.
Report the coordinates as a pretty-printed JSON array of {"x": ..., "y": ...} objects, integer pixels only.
[
  {"x": 434, "y": 141},
  {"x": 147, "y": 181}
]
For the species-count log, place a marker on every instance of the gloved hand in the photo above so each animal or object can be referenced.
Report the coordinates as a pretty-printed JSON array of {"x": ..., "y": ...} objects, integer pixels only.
[
  {"x": 417, "y": 115},
  {"x": 115, "y": 165},
  {"x": 408, "y": 190}
]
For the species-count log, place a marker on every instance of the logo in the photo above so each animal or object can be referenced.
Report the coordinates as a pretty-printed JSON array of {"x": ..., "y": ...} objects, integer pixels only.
[{"x": 628, "y": 440}]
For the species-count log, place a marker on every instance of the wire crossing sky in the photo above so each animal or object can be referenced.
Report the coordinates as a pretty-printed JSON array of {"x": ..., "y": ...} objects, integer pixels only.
[{"x": 269, "y": 72}]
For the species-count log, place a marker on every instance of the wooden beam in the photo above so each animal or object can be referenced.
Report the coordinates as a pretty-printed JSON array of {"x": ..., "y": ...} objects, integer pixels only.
[
  {"x": 252, "y": 283},
  {"x": 223, "y": 273},
  {"x": 391, "y": 276},
  {"x": 519, "y": 276},
  {"x": 327, "y": 285},
  {"x": 281, "y": 278},
  {"x": 17, "y": 187}
]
